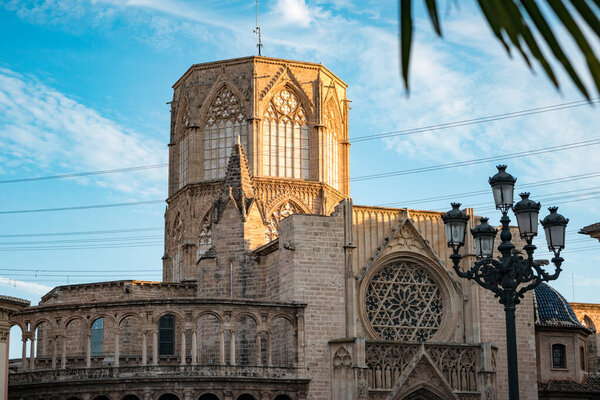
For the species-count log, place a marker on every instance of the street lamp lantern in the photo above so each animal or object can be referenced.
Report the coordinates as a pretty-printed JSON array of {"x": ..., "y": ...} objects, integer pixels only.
[
  {"x": 484, "y": 235},
  {"x": 555, "y": 226},
  {"x": 527, "y": 212},
  {"x": 456, "y": 225},
  {"x": 503, "y": 187},
  {"x": 511, "y": 275}
]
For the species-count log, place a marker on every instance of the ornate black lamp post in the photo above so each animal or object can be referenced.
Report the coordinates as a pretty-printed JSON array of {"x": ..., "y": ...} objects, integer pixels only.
[{"x": 511, "y": 275}]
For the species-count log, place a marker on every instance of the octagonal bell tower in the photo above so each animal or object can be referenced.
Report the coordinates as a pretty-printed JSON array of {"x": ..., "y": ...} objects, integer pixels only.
[{"x": 278, "y": 129}]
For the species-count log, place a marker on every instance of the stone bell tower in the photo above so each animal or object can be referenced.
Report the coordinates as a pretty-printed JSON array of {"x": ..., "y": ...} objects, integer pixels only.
[{"x": 265, "y": 137}]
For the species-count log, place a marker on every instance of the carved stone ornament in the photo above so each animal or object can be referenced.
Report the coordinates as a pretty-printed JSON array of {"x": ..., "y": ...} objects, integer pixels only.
[
  {"x": 284, "y": 106},
  {"x": 403, "y": 302},
  {"x": 285, "y": 210},
  {"x": 226, "y": 106}
]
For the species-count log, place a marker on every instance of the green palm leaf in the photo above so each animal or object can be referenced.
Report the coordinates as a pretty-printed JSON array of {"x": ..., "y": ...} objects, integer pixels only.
[{"x": 512, "y": 23}]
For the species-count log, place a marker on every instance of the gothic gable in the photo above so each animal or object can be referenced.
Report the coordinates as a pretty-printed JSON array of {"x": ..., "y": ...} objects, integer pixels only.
[
  {"x": 423, "y": 380},
  {"x": 405, "y": 237},
  {"x": 284, "y": 78}
]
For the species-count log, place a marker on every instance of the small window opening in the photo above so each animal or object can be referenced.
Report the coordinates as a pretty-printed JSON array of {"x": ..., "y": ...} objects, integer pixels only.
[{"x": 558, "y": 356}]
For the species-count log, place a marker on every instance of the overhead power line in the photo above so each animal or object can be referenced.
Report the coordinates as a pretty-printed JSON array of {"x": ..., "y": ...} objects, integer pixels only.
[
  {"x": 354, "y": 140},
  {"x": 551, "y": 149},
  {"x": 78, "y": 233},
  {"x": 131, "y": 203}
]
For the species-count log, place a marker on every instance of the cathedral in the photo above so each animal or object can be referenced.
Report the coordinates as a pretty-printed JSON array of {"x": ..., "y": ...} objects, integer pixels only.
[{"x": 277, "y": 287}]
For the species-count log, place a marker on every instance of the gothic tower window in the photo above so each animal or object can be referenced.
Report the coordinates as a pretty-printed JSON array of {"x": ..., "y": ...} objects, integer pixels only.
[
  {"x": 183, "y": 162},
  {"x": 330, "y": 146},
  {"x": 176, "y": 242},
  {"x": 285, "y": 210},
  {"x": 404, "y": 302},
  {"x": 285, "y": 137},
  {"x": 225, "y": 120}
]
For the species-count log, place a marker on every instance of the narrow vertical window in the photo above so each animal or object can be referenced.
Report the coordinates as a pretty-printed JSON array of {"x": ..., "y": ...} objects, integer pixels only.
[
  {"x": 97, "y": 337},
  {"x": 225, "y": 121},
  {"x": 166, "y": 335},
  {"x": 558, "y": 356},
  {"x": 183, "y": 162},
  {"x": 330, "y": 149},
  {"x": 582, "y": 358},
  {"x": 285, "y": 138}
]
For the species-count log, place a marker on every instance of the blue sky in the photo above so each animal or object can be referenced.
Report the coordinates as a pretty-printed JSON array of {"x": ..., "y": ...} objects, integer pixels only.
[{"x": 84, "y": 87}]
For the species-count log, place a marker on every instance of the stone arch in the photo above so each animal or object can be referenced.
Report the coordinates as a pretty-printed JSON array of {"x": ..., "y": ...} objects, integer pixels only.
[
  {"x": 246, "y": 396},
  {"x": 215, "y": 90},
  {"x": 44, "y": 340},
  {"x": 130, "y": 337},
  {"x": 282, "y": 397},
  {"x": 447, "y": 308},
  {"x": 77, "y": 330},
  {"x": 100, "y": 397},
  {"x": 224, "y": 117},
  {"x": 103, "y": 354},
  {"x": 15, "y": 343},
  {"x": 283, "y": 338},
  {"x": 422, "y": 394},
  {"x": 208, "y": 328},
  {"x": 289, "y": 82},
  {"x": 182, "y": 116},
  {"x": 283, "y": 208},
  {"x": 342, "y": 373},
  {"x": 245, "y": 328},
  {"x": 168, "y": 396},
  {"x": 130, "y": 396},
  {"x": 208, "y": 396}
]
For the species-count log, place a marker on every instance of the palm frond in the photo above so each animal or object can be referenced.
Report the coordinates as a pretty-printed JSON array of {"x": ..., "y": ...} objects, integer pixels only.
[{"x": 512, "y": 23}]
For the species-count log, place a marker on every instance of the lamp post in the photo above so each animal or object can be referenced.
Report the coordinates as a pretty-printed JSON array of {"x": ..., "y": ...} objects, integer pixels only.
[{"x": 511, "y": 275}]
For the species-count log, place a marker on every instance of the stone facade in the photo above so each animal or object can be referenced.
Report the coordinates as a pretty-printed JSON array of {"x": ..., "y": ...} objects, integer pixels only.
[{"x": 275, "y": 286}]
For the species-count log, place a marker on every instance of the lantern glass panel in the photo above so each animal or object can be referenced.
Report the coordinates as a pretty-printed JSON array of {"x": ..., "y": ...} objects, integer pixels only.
[
  {"x": 555, "y": 236},
  {"x": 497, "y": 191},
  {"x": 455, "y": 233},
  {"x": 528, "y": 223},
  {"x": 508, "y": 194},
  {"x": 486, "y": 246}
]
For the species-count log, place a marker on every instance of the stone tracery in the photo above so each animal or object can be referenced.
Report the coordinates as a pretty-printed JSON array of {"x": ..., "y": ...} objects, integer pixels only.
[
  {"x": 224, "y": 121},
  {"x": 285, "y": 137},
  {"x": 285, "y": 210},
  {"x": 404, "y": 303}
]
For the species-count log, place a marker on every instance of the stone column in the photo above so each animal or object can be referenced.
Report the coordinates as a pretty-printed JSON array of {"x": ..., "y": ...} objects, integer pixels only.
[
  {"x": 269, "y": 358},
  {"x": 23, "y": 354},
  {"x": 88, "y": 351},
  {"x": 183, "y": 345},
  {"x": 194, "y": 347},
  {"x": 232, "y": 347},
  {"x": 8, "y": 305},
  {"x": 63, "y": 358},
  {"x": 32, "y": 352},
  {"x": 144, "y": 348},
  {"x": 117, "y": 352},
  {"x": 258, "y": 348},
  {"x": 222, "y": 347},
  {"x": 154, "y": 347},
  {"x": 54, "y": 351}
]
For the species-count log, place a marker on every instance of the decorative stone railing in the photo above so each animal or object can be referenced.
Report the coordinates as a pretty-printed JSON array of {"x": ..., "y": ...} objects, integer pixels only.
[
  {"x": 152, "y": 371},
  {"x": 387, "y": 361}
]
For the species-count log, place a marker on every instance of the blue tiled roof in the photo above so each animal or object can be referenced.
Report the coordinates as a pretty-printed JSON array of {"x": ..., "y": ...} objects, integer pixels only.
[{"x": 551, "y": 309}]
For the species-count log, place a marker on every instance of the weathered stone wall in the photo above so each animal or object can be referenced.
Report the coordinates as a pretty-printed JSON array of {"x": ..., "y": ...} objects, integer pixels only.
[{"x": 313, "y": 273}]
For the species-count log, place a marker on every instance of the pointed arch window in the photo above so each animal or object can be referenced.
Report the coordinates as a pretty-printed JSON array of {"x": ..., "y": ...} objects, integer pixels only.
[
  {"x": 225, "y": 120},
  {"x": 330, "y": 148},
  {"x": 176, "y": 242},
  {"x": 285, "y": 137}
]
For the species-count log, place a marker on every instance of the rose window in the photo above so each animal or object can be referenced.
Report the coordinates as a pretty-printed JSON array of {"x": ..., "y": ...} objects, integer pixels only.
[{"x": 403, "y": 302}]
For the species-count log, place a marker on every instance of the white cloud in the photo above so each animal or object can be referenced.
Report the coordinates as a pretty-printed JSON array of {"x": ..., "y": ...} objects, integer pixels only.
[
  {"x": 294, "y": 12},
  {"x": 41, "y": 128},
  {"x": 29, "y": 287}
]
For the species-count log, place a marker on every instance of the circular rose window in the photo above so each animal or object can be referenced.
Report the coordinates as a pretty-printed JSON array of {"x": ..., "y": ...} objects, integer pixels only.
[{"x": 403, "y": 302}]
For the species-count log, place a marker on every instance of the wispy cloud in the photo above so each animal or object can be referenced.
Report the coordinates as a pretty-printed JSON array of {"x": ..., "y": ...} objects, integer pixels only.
[
  {"x": 44, "y": 130},
  {"x": 29, "y": 287}
]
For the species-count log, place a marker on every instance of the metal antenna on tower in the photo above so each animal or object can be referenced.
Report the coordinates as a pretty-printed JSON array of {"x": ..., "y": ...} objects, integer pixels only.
[{"x": 257, "y": 30}]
